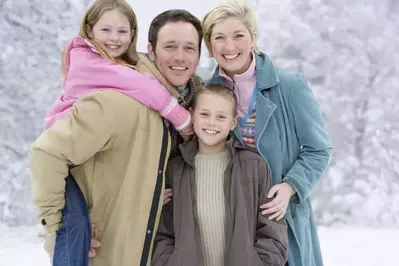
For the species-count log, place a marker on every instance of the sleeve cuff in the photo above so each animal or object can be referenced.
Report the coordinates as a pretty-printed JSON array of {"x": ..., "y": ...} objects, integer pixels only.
[
  {"x": 51, "y": 223},
  {"x": 296, "y": 198}
]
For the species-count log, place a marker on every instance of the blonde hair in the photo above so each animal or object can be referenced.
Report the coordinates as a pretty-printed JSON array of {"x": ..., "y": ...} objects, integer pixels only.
[
  {"x": 93, "y": 15},
  {"x": 240, "y": 9},
  {"x": 218, "y": 90}
]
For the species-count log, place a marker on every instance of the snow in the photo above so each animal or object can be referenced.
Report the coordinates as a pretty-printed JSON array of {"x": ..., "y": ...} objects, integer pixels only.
[{"x": 21, "y": 246}]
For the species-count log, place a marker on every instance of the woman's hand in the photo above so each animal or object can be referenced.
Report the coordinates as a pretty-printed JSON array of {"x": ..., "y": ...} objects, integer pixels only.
[{"x": 278, "y": 206}]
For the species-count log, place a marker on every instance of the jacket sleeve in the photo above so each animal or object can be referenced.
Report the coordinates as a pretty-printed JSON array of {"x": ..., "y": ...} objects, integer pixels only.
[
  {"x": 315, "y": 145},
  {"x": 86, "y": 130},
  {"x": 143, "y": 87},
  {"x": 271, "y": 241},
  {"x": 165, "y": 237}
]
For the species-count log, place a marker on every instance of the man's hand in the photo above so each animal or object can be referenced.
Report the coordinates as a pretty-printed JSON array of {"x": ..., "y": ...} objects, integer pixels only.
[
  {"x": 95, "y": 243},
  {"x": 167, "y": 196}
]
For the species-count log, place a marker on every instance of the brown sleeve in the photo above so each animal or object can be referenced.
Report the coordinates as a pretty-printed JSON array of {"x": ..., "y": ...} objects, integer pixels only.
[
  {"x": 165, "y": 237},
  {"x": 271, "y": 242}
]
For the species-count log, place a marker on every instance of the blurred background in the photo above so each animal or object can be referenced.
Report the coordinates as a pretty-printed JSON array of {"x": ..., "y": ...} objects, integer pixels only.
[{"x": 348, "y": 50}]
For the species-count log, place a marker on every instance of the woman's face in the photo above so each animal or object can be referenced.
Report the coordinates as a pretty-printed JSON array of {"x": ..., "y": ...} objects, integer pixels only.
[
  {"x": 232, "y": 45},
  {"x": 113, "y": 31}
]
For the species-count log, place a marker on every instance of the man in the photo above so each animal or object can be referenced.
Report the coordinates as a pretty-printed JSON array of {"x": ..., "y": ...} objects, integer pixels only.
[
  {"x": 174, "y": 45},
  {"x": 123, "y": 151}
]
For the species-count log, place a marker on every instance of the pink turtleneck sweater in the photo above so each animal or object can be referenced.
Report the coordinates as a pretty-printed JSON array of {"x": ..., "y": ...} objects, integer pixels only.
[{"x": 243, "y": 86}]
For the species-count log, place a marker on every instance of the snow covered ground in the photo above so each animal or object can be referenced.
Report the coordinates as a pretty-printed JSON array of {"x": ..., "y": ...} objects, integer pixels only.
[{"x": 341, "y": 246}]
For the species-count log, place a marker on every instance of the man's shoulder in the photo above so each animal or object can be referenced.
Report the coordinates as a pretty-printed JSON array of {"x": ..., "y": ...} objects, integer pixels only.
[{"x": 113, "y": 100}]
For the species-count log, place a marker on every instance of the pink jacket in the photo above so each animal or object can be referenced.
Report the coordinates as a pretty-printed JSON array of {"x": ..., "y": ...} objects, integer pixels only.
[{"x": 88, "y": 71}]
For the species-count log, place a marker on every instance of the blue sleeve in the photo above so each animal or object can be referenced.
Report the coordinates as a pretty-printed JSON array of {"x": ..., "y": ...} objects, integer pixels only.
[{"x": 316, "y": 148}]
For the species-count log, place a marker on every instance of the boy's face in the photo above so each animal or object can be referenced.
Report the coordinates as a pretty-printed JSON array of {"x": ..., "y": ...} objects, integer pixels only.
[{"x": 213, "y": 119}]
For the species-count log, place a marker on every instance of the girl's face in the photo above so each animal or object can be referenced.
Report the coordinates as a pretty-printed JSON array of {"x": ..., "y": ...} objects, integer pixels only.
[
  {"x": 232, "y": 45},
  {"x": 113, "y": 31}
]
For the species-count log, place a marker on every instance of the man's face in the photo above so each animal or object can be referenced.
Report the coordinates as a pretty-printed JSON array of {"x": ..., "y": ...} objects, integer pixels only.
[{"x": 177, "y": 53}]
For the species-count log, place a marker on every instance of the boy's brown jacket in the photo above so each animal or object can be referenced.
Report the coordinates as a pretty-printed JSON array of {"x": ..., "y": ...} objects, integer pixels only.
[{"x": 251, "y": 238}]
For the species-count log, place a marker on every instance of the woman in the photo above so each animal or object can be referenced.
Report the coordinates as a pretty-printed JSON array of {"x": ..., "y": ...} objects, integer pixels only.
[{"x": 279, "y": 118}]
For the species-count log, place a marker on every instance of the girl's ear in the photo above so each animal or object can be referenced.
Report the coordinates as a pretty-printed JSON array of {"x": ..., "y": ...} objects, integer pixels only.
[{"x": 89, "y": 32}]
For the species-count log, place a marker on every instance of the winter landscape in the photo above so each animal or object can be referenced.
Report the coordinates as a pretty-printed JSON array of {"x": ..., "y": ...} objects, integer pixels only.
[{"x": 348, "y": 50}]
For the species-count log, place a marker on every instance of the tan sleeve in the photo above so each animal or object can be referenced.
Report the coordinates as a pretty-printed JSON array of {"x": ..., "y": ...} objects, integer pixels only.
[{"x": 86, "y": 130}]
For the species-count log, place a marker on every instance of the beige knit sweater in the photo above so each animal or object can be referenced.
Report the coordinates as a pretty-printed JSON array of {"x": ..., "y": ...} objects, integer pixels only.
[{"x": 211, "y": 205}]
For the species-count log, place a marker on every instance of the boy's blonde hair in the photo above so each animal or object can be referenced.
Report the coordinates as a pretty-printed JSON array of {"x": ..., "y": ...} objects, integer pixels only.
[
  {"x": 93, "y": 15},
  {"x": 240, "y": 9},
  {"x": 218, "y": 90}
]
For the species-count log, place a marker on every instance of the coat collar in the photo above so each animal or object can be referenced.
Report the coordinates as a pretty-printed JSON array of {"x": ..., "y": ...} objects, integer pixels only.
[
  {"x": 190, "y": 149},
  {"x": 266, "y": 74}
]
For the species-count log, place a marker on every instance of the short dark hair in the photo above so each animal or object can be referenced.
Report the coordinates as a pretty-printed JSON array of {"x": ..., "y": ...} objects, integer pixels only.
[{"x": 173, "y": 15}]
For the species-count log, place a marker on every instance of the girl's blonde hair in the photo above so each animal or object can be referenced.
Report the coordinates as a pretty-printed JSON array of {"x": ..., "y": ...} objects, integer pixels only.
[
  {"x": 93, "y": 15},
  {"x": 240, "y": 9}
]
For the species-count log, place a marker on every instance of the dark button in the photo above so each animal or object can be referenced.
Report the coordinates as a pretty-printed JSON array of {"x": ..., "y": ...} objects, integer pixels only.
[{"x": 43, "y": 222}]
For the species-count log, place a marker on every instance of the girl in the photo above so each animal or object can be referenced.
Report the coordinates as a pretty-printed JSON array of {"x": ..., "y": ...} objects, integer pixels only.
[
  {"x": 103, "y": 56},
  {"x": 279, "y": 118}
]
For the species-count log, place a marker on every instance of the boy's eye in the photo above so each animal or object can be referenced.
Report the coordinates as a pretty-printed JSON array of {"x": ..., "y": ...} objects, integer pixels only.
[{"x": 222, "y": 117}]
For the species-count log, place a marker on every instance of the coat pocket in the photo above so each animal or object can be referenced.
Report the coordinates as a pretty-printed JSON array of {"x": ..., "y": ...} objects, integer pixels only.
[
  {"x": 300, "y": 213},
  {"x": 174, "y": 258}
]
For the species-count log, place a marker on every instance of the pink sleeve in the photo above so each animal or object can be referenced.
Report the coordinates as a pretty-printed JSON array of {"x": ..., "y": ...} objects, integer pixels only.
[{"x": 96, "y": 72}]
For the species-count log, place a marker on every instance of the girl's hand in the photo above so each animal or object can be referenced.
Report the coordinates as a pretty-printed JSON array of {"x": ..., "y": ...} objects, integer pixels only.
[{"x": 187, "y": 131}]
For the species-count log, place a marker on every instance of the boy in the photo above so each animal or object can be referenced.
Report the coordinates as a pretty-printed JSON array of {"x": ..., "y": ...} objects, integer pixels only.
[{"x": 218, "y": 186}]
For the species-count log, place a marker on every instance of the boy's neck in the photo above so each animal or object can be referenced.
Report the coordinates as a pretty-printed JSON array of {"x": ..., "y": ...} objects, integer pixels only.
[{"x": 214, "y": 149}]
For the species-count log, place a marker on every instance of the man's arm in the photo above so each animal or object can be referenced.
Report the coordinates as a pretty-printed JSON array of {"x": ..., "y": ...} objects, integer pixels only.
[
  {"x": 271, "y": 242},
  {"x": 86, "y": 130}
]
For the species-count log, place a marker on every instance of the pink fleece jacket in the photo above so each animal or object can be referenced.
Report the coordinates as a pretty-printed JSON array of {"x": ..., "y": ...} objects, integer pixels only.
[
  {"x": 88, "y": 71},
  {"x": 243, "y": 86}
]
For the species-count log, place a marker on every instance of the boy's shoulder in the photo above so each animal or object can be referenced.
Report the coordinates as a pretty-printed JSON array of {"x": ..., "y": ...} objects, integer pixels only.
[
  {"x": 247, "y": 154},
  {"x": 244, "y": 153}
]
